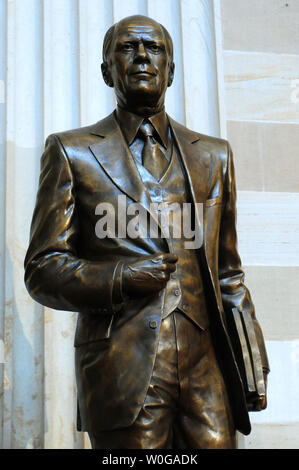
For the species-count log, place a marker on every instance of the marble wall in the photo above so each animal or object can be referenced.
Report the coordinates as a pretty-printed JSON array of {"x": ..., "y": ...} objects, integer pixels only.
[
  {"x": 248, "y": 92},
  {"x": 259, "y": 51}
]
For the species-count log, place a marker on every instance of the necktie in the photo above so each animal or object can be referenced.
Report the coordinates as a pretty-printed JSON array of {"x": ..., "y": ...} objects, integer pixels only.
[{"x": 153, "y": 159}]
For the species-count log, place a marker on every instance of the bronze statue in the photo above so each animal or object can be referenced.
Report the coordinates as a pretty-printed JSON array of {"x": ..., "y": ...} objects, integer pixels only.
[{"x": 166, "y": 334}]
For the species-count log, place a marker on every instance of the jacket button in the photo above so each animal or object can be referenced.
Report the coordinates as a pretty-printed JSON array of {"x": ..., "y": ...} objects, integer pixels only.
[
  {"x": 177, "y": 292},
  {"x": 153, "y": 324}
]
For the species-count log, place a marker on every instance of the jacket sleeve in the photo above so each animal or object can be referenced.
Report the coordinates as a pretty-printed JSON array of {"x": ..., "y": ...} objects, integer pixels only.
[
  {"x": 54, "y": 275},
  {"x": 231, "y": 275}
]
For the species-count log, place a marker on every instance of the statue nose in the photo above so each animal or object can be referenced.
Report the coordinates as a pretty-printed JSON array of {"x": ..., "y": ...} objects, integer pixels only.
[{"x": 141, "y": 53}]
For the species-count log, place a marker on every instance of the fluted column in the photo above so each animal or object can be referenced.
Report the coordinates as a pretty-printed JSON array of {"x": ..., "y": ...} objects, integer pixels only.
[
  {"x": 23, "y": 322},
  {"x": 62, "y": 104},
  {"x": 200, "y": 66},
  {"x": 50, "y": 81}
]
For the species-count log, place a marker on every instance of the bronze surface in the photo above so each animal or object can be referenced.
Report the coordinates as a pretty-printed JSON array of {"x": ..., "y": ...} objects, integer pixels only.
[{"x": 118, "y": 285}]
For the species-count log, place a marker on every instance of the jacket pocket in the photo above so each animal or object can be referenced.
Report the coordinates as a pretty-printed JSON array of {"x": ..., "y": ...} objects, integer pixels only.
[{"x": 91, "y": 328}]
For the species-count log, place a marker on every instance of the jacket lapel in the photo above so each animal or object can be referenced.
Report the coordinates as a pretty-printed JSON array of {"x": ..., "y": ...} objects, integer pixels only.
[
  {"x": 196, "y": 160},
  {"x": 113, "y": 155}
]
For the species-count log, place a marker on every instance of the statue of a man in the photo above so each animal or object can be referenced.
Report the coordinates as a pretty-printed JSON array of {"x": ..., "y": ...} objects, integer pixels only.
[{"x": 155, "y": 360}]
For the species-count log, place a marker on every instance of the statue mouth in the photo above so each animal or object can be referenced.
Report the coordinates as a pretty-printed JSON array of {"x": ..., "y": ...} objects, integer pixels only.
[{"x": 143, "y": 72}]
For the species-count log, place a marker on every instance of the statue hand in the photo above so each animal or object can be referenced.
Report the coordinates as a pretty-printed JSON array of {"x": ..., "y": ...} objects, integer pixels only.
[{"x": 148, "y": 275}]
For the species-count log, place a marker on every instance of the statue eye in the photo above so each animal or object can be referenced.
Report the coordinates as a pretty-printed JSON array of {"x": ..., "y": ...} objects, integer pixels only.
[
  {"x": 154, "y": 47},
  {"x": 127, "y": 47}
]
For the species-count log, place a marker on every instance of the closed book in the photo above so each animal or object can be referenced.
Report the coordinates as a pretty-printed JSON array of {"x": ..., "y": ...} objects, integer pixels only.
[{"x": 247, "y": 353}]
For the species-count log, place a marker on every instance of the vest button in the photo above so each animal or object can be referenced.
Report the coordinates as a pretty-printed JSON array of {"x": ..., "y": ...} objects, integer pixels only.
[
  {"x": 176, "y": 292},
  {"x": 153, "y": 324}
]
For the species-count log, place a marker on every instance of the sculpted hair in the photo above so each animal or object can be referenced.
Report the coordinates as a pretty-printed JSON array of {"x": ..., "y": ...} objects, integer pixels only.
[
  {"x": 108, "y": 39},
  {"x": 108, "y": 42}
]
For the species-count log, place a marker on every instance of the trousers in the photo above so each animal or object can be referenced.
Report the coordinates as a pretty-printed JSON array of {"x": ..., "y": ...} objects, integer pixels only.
[{"x": 186, "y": 406}]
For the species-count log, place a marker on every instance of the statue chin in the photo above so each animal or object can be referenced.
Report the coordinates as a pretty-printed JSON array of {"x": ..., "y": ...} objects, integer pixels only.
[
  {"x": 141, "y": 95},
  {"x": 141, "y": 99}
]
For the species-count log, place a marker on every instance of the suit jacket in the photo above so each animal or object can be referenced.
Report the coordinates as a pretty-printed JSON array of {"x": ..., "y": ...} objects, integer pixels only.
[{"x": 68, "y": 268}]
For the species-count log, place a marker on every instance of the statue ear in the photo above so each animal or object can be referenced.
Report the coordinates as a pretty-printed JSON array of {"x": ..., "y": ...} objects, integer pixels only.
[
  {"x": 106, "y": 74},
  {"x": 171, "y": 74}
]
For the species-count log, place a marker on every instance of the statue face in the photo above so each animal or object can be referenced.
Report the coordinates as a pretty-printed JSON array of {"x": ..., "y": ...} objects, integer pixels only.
[{"x": 139, "y": 65}]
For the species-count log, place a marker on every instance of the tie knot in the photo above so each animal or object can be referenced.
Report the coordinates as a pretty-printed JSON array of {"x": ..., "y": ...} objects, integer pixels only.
[{"x": 146, "y": 129}]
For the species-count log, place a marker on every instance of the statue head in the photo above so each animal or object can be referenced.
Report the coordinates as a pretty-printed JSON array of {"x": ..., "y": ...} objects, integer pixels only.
[{"x": 138, "y": 62}]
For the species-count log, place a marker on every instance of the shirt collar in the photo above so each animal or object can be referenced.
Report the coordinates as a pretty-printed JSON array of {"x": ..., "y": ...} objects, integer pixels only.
[{"x": 130, "y": 123}]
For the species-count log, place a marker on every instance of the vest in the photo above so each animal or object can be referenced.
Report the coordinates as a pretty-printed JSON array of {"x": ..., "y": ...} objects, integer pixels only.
[{"x": 184, "y": 289}]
